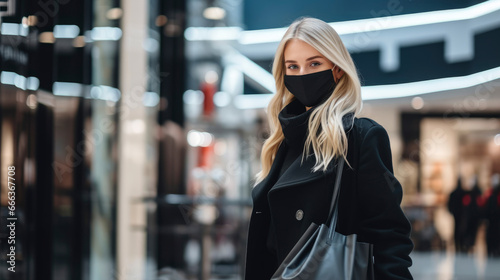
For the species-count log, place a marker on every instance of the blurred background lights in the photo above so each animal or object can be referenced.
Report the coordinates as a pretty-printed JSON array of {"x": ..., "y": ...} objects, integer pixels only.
[
  {"x": 161, "y": 20},
  {"x": 33, "y": 83},
  {"x": 20, "y": 82},
  {"x": 31, "y": 101},
  {"x": 135, "y": 127},
  {"x": 193, "y": 97},
  {"x": 211, "y": 77},
  {"x": 114, "y": 13},
  {"x": 79, "y": 42},
  {"x": 220, "y": 148},
  {"x": 497, "y": 139},
  {"x": 24, "y": 22},
  {"x": 199, "y": 139},
  {"x": 46, "y": 37},
  {"x": 151, "y": 45},
  {"x": 150, "y": 99},
  {"x": 66, "y": 31},
  {"x": 417, "y": 103},
  {"x": 222, "y": 99},
  {"x": 214, "y": 13},
  {"x": 32, "y": 20},
  {"x": 106, "y": 33}
]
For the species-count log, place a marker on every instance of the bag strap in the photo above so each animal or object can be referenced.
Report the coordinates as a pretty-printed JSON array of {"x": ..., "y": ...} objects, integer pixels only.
[
  {"x": 335, "y": 196},
  {"x": 348, "y": 124}
]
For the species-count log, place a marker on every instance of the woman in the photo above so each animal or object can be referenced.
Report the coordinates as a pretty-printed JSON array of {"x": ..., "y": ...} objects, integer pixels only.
[{"x": 313, "y": 120}]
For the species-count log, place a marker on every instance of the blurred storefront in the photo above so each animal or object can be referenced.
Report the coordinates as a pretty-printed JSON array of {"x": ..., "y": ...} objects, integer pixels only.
[{"x": 135, "y": 129}]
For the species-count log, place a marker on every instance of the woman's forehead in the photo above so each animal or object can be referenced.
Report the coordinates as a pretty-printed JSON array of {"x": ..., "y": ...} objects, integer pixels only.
[{"x": 298, "y": 50}]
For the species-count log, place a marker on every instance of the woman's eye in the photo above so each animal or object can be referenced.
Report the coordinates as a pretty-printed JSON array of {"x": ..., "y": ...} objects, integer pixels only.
[
  {"x": 314, "y": 64},
  {"x": 292, "y": 66}
]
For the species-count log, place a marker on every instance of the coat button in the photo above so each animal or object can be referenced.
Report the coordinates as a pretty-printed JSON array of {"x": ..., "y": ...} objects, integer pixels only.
[{"x": 299, "y": 215}]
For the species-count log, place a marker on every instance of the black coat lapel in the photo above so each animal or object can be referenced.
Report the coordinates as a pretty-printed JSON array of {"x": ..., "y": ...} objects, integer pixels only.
[
  {"x": 264, "y": 186},
  {"x": 298, "y": 173}
]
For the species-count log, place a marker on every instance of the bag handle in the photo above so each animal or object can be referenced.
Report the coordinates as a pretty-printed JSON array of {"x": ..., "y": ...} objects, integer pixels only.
[{"x": 336, "y": 191}]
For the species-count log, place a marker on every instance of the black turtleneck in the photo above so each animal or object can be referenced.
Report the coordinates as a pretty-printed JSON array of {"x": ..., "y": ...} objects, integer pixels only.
[{"x": 294, "y": 119}]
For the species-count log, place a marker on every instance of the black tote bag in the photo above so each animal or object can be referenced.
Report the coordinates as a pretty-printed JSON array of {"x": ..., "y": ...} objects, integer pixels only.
[{"x": 324, "y": 254}]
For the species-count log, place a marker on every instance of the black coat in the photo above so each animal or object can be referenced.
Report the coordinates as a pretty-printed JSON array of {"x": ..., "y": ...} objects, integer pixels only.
[{"x": 369, "y": 205}]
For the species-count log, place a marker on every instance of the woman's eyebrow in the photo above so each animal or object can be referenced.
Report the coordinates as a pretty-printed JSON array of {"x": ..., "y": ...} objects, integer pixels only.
[{"x": 311, "y": 58}]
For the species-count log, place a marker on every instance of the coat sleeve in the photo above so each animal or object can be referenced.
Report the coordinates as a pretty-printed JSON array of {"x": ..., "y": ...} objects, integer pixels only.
[{"x": 381, "y": 219}]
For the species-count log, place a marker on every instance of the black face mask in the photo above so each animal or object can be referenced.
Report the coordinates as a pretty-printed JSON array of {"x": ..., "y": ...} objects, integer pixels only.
[{"x": 311, "y": 89}]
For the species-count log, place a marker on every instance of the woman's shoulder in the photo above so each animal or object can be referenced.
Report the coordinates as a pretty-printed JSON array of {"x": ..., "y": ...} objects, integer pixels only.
[{"x": 363, "y": 125}]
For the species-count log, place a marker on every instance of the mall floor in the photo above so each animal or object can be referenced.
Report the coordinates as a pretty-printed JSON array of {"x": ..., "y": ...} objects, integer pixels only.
[{"x": 448, "y": 266}]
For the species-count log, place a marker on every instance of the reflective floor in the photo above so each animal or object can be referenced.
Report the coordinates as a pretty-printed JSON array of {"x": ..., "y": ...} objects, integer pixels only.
[{"x": 448, "y": 266}]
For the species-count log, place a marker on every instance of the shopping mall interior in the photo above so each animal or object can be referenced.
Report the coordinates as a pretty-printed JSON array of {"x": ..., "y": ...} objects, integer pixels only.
[{"x": 131, "y": 131}]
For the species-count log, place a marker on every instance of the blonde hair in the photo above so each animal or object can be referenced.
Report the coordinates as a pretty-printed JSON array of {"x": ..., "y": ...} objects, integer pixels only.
[{"x": 326, "y": 132}]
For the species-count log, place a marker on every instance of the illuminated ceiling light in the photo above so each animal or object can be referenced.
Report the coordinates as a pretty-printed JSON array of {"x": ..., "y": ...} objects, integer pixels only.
[
  {"x": 114, "y": 13},
  {"x": 79, "y": 42},
  {"x": 161, "y": 20},
  {"x": 252, "y": 101},
  {"x": 417, "y": 103},
  {"x": 14, "y": 79},
  {"x": 105, "y": 93},
  {"x": 274, "y": 35},
  {"x": 254, "y": 71},
  {"x": 20, "y": 82},
  {"x": 10, "y": 29},
  {"x": 214, "y": 13},
  {"x": 46, "y": 37},
  {"x": 32, "y": 20},
  {"x": 67, "y": 89},
  {"x": 213, "y": 33},
  {"x": 429, "y": 86},
  {"x": 106, "y": 33},
  {"x": 8, "y": 78},
  {"x": 33, "y": 83},
  {"x": 66, "y": 31}
]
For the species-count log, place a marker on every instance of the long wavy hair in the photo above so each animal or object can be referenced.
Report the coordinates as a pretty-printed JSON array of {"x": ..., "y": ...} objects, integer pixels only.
[{"x": 326, "y": 133}]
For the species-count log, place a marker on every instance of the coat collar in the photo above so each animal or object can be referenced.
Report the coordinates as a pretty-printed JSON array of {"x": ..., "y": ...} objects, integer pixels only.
[{"x": 298, "y": 172}]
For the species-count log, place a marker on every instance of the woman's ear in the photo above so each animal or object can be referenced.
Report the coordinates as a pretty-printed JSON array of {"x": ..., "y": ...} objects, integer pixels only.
[{"x": 337, "y": 74}]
